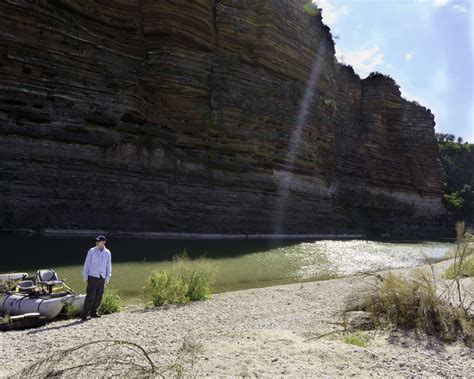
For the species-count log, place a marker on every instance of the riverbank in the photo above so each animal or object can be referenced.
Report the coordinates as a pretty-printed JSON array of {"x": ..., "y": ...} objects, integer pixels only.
[
  {"x": 49, "y": 232},
  {"x": 166, "y": 235},
  {"x": 265, "y": 332}
]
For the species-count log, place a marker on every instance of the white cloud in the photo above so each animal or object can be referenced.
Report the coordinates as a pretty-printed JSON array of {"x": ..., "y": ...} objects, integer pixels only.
[
  {"x": 460, "y": 8},
  {"x": 436, "y": 3},
  {"x": 364, "y": 61},
  {"x": 409, "y": 56},
  {"x": 331, "y": 12}
]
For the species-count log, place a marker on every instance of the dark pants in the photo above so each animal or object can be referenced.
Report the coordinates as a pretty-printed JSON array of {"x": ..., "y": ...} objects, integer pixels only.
[{"x": 95, "y": 290}]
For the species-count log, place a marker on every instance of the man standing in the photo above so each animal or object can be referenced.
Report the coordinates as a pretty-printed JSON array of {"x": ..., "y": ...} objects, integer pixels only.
[{"x": 97, "y": 272}]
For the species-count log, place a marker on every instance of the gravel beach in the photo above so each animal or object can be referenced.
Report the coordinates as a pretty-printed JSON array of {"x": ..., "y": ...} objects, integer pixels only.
[{"x": 265, "y": 332}]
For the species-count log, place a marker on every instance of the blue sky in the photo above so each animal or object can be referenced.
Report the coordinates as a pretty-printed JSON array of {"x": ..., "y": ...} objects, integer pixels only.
[{"x": 425, "y": 45}]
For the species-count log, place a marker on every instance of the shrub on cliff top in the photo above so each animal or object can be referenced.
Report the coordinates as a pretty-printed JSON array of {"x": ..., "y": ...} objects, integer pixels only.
[{"x": 311, "y": 8}]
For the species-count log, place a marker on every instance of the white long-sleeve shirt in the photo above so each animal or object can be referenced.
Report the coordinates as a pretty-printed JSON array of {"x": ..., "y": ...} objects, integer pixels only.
[{"x": 98, "y": 263}]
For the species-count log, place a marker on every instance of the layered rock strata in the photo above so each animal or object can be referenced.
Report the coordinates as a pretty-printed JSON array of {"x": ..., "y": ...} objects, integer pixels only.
[{"x": 203, "y": 116}]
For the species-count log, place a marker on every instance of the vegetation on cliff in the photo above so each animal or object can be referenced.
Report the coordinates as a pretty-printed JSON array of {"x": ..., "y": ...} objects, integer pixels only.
[{"x": 457, "y": 159}]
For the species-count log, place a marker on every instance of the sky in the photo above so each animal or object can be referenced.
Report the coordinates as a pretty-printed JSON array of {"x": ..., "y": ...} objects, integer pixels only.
[{"x": 425, "y": 45}]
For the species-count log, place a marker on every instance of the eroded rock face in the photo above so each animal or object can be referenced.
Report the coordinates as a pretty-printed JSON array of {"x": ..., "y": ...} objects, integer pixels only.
[{"x": 203, "y": 116}]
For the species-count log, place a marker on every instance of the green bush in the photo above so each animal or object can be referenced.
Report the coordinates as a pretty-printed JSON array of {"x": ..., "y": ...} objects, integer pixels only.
[
  {"x": 164, "y": 287},
  {"x": 357, "y": 339},
  {"x": 197, "y": 274},
  {"x": 457, "y": 160},
  {"x": 184, "y": 281},
  {"x": 111, "y": 302}
]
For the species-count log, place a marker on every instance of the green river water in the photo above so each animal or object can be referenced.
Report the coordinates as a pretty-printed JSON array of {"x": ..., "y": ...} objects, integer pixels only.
[{"x": 240, "y": 264}]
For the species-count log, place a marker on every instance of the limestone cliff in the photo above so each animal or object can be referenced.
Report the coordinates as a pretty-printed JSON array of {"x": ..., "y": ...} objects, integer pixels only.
[{"x": 223, "y": 116}]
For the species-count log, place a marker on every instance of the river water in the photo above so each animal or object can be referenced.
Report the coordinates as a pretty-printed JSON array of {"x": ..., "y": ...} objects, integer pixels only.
[{"x": 240, "y": 264}]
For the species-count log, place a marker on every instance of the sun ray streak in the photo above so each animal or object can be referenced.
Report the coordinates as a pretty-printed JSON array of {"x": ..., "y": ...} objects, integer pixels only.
[{"x": 295, "y": 141}]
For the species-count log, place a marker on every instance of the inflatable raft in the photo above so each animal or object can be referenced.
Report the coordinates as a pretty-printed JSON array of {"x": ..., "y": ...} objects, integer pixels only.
[
  {"x": 23, "y": 295},
  {"x": 49, "y": 306}
]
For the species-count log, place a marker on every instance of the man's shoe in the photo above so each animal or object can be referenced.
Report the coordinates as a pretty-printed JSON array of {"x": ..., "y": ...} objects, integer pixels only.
[
  {"x": 95, "y": 315},
  {"x": 83, "y": 319}
]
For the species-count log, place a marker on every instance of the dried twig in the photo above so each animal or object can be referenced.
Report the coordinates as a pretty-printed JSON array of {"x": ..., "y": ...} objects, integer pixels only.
[{"x": 108, "y": 356}]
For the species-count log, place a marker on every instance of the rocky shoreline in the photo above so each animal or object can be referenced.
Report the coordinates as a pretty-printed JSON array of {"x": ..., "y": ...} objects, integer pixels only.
[{"x": 265, "y": 332}]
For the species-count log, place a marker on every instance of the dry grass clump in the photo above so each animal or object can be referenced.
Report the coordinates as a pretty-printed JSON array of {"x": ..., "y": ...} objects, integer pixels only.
[
  {"x": 461, "y": 269},
  {"x": 413, "y": 303},
  {"x": 418, "y": 302},
  {"x": 186, "y": 357},
  {"x": 463, "y": 254}
]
